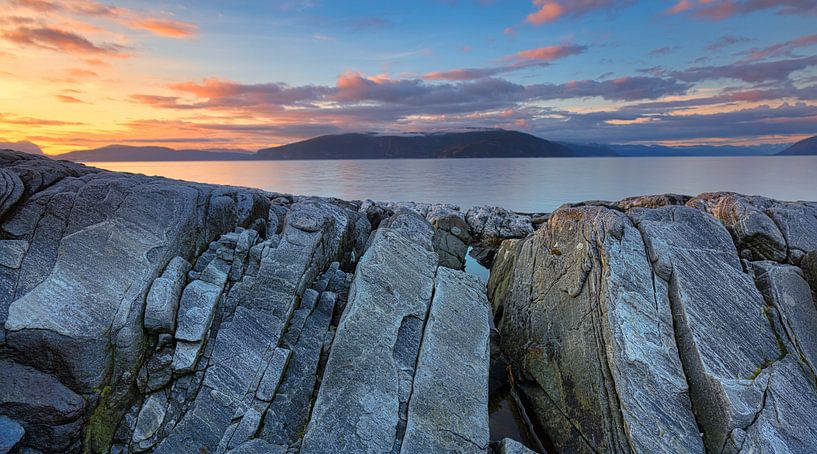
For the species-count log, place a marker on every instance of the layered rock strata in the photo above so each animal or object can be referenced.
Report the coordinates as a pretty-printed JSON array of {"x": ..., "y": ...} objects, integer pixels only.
[{"x": 141, "y": 314}]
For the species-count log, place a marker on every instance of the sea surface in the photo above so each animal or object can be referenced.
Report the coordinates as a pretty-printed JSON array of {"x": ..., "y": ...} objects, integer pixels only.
[{"x": 522, "y": 184}]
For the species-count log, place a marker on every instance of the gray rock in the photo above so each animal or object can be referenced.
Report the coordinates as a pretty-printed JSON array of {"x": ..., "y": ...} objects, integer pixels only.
[
  {"x": 358, "y": 408},
  {"x": 653, "y": 201},
  {"x": 451, "y": 239},
  {"x": 448, "y": 410},
  {"x": 11, "y": 433},
  {"x": 494, "y": 222},
  {"x": 288, "y": 414},
  {"x": 724, "y": 337},
  {"x": 589, "y": 326},
  {"x": 11, "y": 189},
  {"x": 273, "y": 374},
  {"x": 785, "y": 422},
  {"x": 12, "y": 253},
  {"x": 508, "y": 446},
  {"x": 186, "y": 356},
  {"x": 150, "y": 417},
  {"x": 196, "y": 309},
  {"x": 785, "y": 289},
  {"x": 162, "y": 302},
  {"x": 502, "y": 274},
  {"x": 31, "y": 396},
  {"x": 746, "y": 220},
  {"x": 258, "y": 446},
  {"x": 809, "y": 266},
  {"x": 245, "y": 429}
]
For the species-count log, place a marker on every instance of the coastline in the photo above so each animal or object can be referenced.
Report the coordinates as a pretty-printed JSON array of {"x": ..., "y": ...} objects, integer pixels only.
[{"x": 158, "y": 313}]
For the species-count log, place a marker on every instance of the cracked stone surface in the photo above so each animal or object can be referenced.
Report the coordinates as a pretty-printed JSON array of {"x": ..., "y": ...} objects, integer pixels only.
[{"x": 142, "y": 314}]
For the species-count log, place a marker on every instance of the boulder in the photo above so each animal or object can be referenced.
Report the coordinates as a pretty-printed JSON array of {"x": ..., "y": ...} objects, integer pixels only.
[
  {"x": 497, "y": 223},
  {"x": 12, "y": 253},
  {"x": 451, "y": 240},
  {"x": 11, "y": 189},
  {"x": 364, "y": 392},
  {"x": 448, "y": 409},
  {"x": 162, "y": 301},
  {"x": 588, "y": 326},
  {"x": 196, "y": 310}
]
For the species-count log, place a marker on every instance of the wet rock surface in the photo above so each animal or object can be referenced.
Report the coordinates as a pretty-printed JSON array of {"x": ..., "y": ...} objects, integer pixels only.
[{"x": 142, "y": 314}]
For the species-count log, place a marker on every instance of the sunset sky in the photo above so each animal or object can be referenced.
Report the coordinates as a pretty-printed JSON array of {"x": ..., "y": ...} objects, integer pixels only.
[{"x": 77, "y": 74}]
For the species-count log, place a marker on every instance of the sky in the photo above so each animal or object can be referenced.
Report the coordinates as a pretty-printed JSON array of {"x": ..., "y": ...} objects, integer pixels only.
[{"x": 248, "y": 74}]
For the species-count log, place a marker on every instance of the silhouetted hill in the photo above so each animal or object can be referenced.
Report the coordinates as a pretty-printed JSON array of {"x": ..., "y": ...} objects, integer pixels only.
[
  {"x": 471, "y": 144},
  {"x": 804, "y": 147},
  {"x": 131, "y": 153}
]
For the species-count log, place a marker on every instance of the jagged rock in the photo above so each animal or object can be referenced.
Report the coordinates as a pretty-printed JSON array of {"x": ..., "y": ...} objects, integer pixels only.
[
  {"x": 288, "y": 413},
  {"x": 12, "y": 253},
  {"x": 448, "y": 409},
  {"x": 755, "y": 233},
  {"x": 11, "y": 433},
  {"x": 786, "y": 290},
  {"x": 11, "y": 189},
  {"x": 361, "y": 400},
  {"x": 499, "y": 223},
  {"x": 185, "y": 356},
  {"x": 150, "y": 419},
  {"x": 244, "y": 343},
  {"x": 258, "y": 446},
  {"x": 589, "y": 327},
  {"x": 49, "y": 411},
  {"x": 652, "y": 201},
  {"x": 725, "y": 338},
  {"x": 785, "y": 421},
  {"x": 508, "y": 446},
  {"x": 162, "y": 302},
  {"x": 502, "y": 274},
  {"x": 451, "y": 239},
  {"x": 809, "y": 266},
  {"x": 196, "y": 310},
  {"x": 273, "y": 374}
]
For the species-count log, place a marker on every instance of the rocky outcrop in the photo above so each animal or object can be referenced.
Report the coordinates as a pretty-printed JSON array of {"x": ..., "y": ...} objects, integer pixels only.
[
  {"x": 142, "y": 314},
  {"x": 634, "y": 326}
]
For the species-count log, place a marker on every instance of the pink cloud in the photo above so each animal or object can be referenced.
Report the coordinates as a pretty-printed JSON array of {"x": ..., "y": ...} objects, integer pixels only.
[
  {"x": 551, "y": 10},
  {"x": 166, "y": 27},
  {"x": 724, "y": 9},
  {"x": 782, "y": 49}
]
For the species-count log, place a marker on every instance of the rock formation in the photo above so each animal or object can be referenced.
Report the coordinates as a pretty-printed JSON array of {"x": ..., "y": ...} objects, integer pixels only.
[{"x": 141, "y": 314}]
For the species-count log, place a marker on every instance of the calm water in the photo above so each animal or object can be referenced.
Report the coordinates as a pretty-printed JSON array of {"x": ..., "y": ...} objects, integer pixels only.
[{"x": 519, "y": 184}]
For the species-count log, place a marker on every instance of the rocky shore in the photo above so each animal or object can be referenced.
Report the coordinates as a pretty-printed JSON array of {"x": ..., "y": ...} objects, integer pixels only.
[{"x": 144, "y": 314}]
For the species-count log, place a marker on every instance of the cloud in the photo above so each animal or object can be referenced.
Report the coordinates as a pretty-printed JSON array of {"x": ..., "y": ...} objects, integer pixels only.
[
  {"x": 620, "y": 89},
  {"x": 64, "y": 41},
  {"x": 166, "y": 27},
  {"x": 28, "y": 121},
  {"x": 726, "y": 41},
  {"x": 127, "y": 17},
  {"x": 747, "y": 71},
  {"x": 663, "y": 50},
  {"x": 782, "y": 49},
  {"x": 541, "y": 56},
  {"x": 552, "y": 10},
  {"x": 724, "y": 9},
  {"x": 69, "y": 99}
]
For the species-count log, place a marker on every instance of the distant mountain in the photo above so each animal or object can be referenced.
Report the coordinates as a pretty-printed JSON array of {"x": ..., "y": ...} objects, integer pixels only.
[
  {"x": 496, "y": 143},
  {"x": 804, "y": 147},
  {"x": 660, "y": 150},
  {"x": 122, "y": 153}
]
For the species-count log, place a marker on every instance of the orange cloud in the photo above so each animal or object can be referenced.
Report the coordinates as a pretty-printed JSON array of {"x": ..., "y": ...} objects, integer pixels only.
[
  {"x": 60, "y": 40},
  {"x": 166, "y": 27},
  {"x": 548, "y": 53},
  {"x": 549, "y": 12},
  {"x": 69, "y": 99}
]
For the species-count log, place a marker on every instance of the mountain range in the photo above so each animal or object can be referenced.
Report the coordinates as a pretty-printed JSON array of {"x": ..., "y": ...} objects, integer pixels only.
[{"x": 495, "y": 143}]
